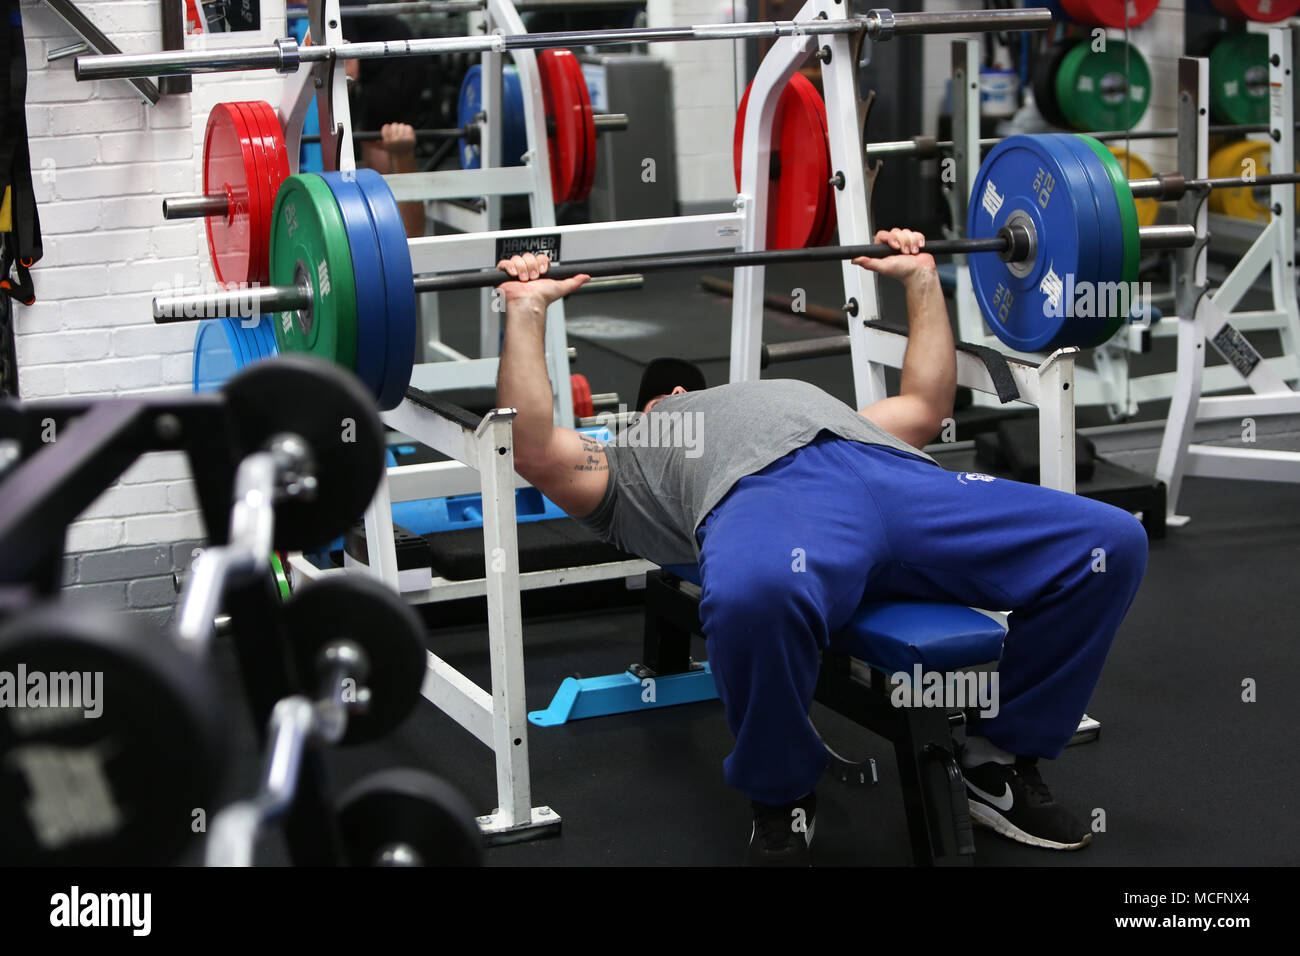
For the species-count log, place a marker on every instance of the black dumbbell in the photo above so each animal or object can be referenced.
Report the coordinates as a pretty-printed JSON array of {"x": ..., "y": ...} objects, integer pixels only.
[
  {"x": 362, "y": 647},
  {"x": 121, "y": 771}
]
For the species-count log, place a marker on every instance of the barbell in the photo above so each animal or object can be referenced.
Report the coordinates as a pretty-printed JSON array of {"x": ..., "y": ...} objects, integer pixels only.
[
  {"x": 603, "y": 122},
  {"x": 462, "y": 6},
  {"x": 343, "y": 286},
  {"x": 245, "y": 161},
  {"x": 285, "y": 55},
  {"x": 927, "y": 147}
]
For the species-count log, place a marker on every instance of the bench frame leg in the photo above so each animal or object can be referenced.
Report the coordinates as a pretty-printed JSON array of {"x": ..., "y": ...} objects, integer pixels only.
[{"x": 934, "y": 794}]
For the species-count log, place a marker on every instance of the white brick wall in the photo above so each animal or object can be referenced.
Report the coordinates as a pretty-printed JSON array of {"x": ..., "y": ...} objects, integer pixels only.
[
  {"x": 101, "y": 162},
  {"x": 1161, "y": 41},
  {"x": 707, "y": 82}
]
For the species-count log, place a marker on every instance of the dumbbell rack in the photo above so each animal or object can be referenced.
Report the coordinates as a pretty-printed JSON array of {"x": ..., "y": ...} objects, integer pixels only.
[
  {"x": 1109, "y": 382},
  {"x": 1209, "y": 318}
]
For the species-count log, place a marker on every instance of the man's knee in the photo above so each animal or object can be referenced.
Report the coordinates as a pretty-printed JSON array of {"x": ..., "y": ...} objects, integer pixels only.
[{"x": 1121, "y": 546}]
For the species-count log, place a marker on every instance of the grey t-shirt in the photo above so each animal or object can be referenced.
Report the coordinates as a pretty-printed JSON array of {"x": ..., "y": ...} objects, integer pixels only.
[{"x": 669, "y": 469}]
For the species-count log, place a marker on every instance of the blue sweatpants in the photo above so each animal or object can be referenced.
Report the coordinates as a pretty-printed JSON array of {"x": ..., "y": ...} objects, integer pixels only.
[{"x": 790, "y": 553}]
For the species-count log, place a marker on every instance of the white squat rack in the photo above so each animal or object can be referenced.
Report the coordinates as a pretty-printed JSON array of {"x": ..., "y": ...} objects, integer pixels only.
[{"x": 1210, "y": 317}]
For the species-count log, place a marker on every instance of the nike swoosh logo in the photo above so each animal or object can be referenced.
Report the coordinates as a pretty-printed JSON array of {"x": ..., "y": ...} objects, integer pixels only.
[{"x": 1003, "y": 802}]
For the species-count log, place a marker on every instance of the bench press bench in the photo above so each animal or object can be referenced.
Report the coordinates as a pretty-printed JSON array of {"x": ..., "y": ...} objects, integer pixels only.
[{"x": 883, "y": 638}]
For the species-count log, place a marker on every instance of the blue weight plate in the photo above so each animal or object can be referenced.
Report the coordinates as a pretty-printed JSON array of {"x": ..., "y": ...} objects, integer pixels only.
[
  {"x": 468, "y": 106},
  {"x": 1110, "y": 262},
  {"x": 368, "y": 268},
  {"x": 514, "y": 139},
  {"x": 1033, "y": 178},
  {"x": 266, "y": 332},
  {"x": 214, "y": 361},
  {"x": 235, "y": 335},
  {"x": 256, "y": 340},
  {"x": 514, "y": 134},
  {"x": 398, "y": 280},
  {"x": 1088, "y": 330},
  {"x": 251, "y": 339}
]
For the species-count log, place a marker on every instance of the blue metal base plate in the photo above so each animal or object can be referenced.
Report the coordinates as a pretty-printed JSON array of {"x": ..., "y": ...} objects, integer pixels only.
[{"x": 623, "y": 693}]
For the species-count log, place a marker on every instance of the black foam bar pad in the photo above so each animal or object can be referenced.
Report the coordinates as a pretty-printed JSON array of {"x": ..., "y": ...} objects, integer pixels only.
[
  {"x": 447, "y": 410},
  {"x": 1017, "y": 443},
  {"x": 412, "y": 550},
  {"x": 560, "y": 543},
  {"x": 997, "y": 364}
]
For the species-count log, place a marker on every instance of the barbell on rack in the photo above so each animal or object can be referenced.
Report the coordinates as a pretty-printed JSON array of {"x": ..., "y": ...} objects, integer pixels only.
[
  {"x": 603, "y": 122},
  {"x": 343, "y": 285},
  {"x": 245, "y": 161},
  {"x": 463, "y": 6},
  {"x": 285, "y": 55},
  {"x": 928, "y": 147}
]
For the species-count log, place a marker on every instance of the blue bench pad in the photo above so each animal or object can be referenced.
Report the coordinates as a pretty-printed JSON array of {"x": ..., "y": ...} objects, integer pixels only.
[{"x": 896, "y": 635}]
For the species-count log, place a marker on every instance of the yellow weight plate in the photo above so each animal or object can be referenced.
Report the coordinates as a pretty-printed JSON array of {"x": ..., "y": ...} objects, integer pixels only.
[
  {"x": 1135, "y": 167},
  {"x": 1244, "y": 202}
]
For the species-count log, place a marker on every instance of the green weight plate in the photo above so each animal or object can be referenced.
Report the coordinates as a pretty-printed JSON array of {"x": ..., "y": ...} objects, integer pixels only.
[
  {"x": 1239, "y": 78},
  {"x": 1127, "y": 208},
  {"x": 1092, "y": 91},
  {"x": 281, "y": 579},
  {"x": 310, "y": 244}
]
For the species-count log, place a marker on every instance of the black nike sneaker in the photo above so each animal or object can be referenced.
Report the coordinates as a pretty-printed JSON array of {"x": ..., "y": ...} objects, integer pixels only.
[
  {"x": 1014, "y": 801},
  {"x": 783, "y": 835}
]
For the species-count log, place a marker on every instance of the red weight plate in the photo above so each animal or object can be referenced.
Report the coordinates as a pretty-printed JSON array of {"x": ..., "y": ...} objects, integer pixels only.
[
  {"x": 564, "y": 112},
  {"x": 228, "y": 170},
  {"x": 582, "y": 406},
  {"x": 588, "y": 131},
  {"x": 265, "y": 126},
  {"x": 825, "y": 208},
  {"x": 273, "y": 140},
  {"x": 1111, "y": 13},
  {"x": 260, "y": 200},
  {"x": 797, "y": 196},
  {"x": 826, "y": 229},
  {"x": 1264, "y": 11}
]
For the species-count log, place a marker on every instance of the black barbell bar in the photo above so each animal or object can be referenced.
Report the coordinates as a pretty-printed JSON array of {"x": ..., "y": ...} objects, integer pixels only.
[
  {"x": 927, "y": 147},
  {"x": 286, "y": 55},
  {"x": 604, "y": 123},
  {"x": 1013, "y": 243},
  {"x": 1174, "y": 185},
  {"x": 202, "y": 207},
  {"x": 464, "y": 6}
]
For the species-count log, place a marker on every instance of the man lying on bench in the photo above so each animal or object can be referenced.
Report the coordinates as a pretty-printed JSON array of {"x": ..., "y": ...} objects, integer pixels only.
[{"x": 796, "y": 507}]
